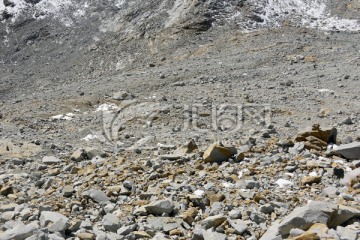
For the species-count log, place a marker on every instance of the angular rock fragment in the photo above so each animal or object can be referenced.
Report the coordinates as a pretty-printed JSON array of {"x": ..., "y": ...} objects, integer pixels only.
[
  {"x": 349, "y": 151},
  {"x": 216, "y": 153},
  {"x": 160, "y": 207}
]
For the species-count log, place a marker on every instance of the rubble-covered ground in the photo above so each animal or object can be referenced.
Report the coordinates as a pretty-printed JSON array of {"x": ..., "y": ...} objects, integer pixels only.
[{"x": 179, "y": 120}]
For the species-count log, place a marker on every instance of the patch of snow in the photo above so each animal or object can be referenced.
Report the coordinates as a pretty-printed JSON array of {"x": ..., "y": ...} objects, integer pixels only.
[
  {"x": 90, "y": 137},
  {"x": 312, "y": 14},
  {"x": 199, "y": 193},
  {"x": 107, "y": 107},
  {"x": 323, "y": 90},
  {"x": 284, "y": 183},
  {"x": 67, "y": 116}
]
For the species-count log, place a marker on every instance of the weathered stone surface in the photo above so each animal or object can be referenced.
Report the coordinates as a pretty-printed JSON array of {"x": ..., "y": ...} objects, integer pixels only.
[
  {"x": 211, "y": 235},
  {"x": 111, "y": 222},
  {"x": 96, "y": 195},
  {"x": 54, "y": 221},
  {"x": 239, "y": 225},
  {"x": 310, "y": 180},
  {"x": 216, "y": 153},
  {"x": 212, "y": 221},
  {"x": 19, "y": 232},
  {"x": 304, "y": 217},
  {"x": 67, "y": 191},
  {"x": 314, "y": 131},
  {"x": 50, "y": 160},
  {"x": 343, "y": 214},
  {"x": 160, "y": 207},
  {"x": 349, "y": 151}
]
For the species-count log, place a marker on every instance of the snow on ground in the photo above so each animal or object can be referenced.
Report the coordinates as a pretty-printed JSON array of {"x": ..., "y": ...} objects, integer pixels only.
[{"x": 312, "y": 14}]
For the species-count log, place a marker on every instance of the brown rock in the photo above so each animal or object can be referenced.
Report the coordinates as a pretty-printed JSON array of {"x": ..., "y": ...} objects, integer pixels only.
[
  {"x": 315, "y": 131},
  {"x": 6, "y": 190},
  {"x": 310, "y": 180},
  {"x": 189, "y": 215},
  {"x": 216, "y": 153},
  {"x": 176, "y": 232},
  {"x": 85, "y": 236},
  {"x": 307, "y": 236}
]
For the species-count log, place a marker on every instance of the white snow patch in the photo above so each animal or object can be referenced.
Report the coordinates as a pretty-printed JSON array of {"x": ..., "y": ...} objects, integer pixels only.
[
  {"x": 323, "y": 90},
  {"x": 199, "y": 193},
  {"x": 312, "y": 14},
  {"x": 283, "y": 183},
  {"x": 90, "y": 137},
  {"x": 107, "y": 107},
  {"x": 67, "y": 116}
]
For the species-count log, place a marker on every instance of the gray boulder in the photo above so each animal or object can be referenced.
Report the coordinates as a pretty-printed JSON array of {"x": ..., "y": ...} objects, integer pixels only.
[
  {"x": 160, "y": 207},
  {"x": 349, "y": 151},
  {"x": 54, "y": 221},
  {"x": 20, "y": 231},
  {"x": 111, "y": 222}
]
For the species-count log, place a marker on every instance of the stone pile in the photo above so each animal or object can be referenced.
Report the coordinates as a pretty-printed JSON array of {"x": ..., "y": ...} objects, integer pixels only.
[{"x": 264, "y": 189}]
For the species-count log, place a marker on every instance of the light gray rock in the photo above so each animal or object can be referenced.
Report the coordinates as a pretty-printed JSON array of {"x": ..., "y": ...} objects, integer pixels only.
[
  {"x": 330, "y": 191},
  {"x": 273, "y": 232},
  {"x": 297, "y": 148},
  {"x": 346, "y": 233},
  {"x": 54, "y": 221},
  {"x": 235, "y": 214},
  {"x": 211, "y": 235},
  {"x": 111, "y": 222},
  {"x": 303, "y": 218},
  {"x": 198, "y": 234},
  {"x": 239, "y": 225},
  {"x": 351, "y": 177},
  {"x": 122, "y": 95},
  {"x": 213, "y": 221},
  {"x": 96, "y": 195},
  {"x": 50, "y": 160},
  {"x": 160, "y": 207},
  {"x": 67, "y": 191},
  {"x": 349, "y": 151},
  {"x": 20, "y": 231},
  {"x": 296, "y": 232},
  {"x": 216, "y": 208},
  {"x": 125, "y": 230}
]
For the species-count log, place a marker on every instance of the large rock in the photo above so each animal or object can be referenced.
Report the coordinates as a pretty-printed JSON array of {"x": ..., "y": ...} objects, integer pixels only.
[
  {"x": 239, "y": 225},
  {"x": 96, "y": 195},
  {"x": 111, "y": 222},
  {"x": 213, "y": 221},
  {"x": 50, "y": 160},
  {"x": 350, "y": 178},
  {"x": 349, "y": 151},
  {"x": 54, "y": 221},
  {"x": 302, "y": 218},
  {"x": 216, "y": 153},
  {"x": 315, "y": 131},
  {"x": 160, "y": 207},
  {"x": 19, "y": 231},
  {"x": 211, "y": 235},
  {"x": 343, "y": 214}
]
